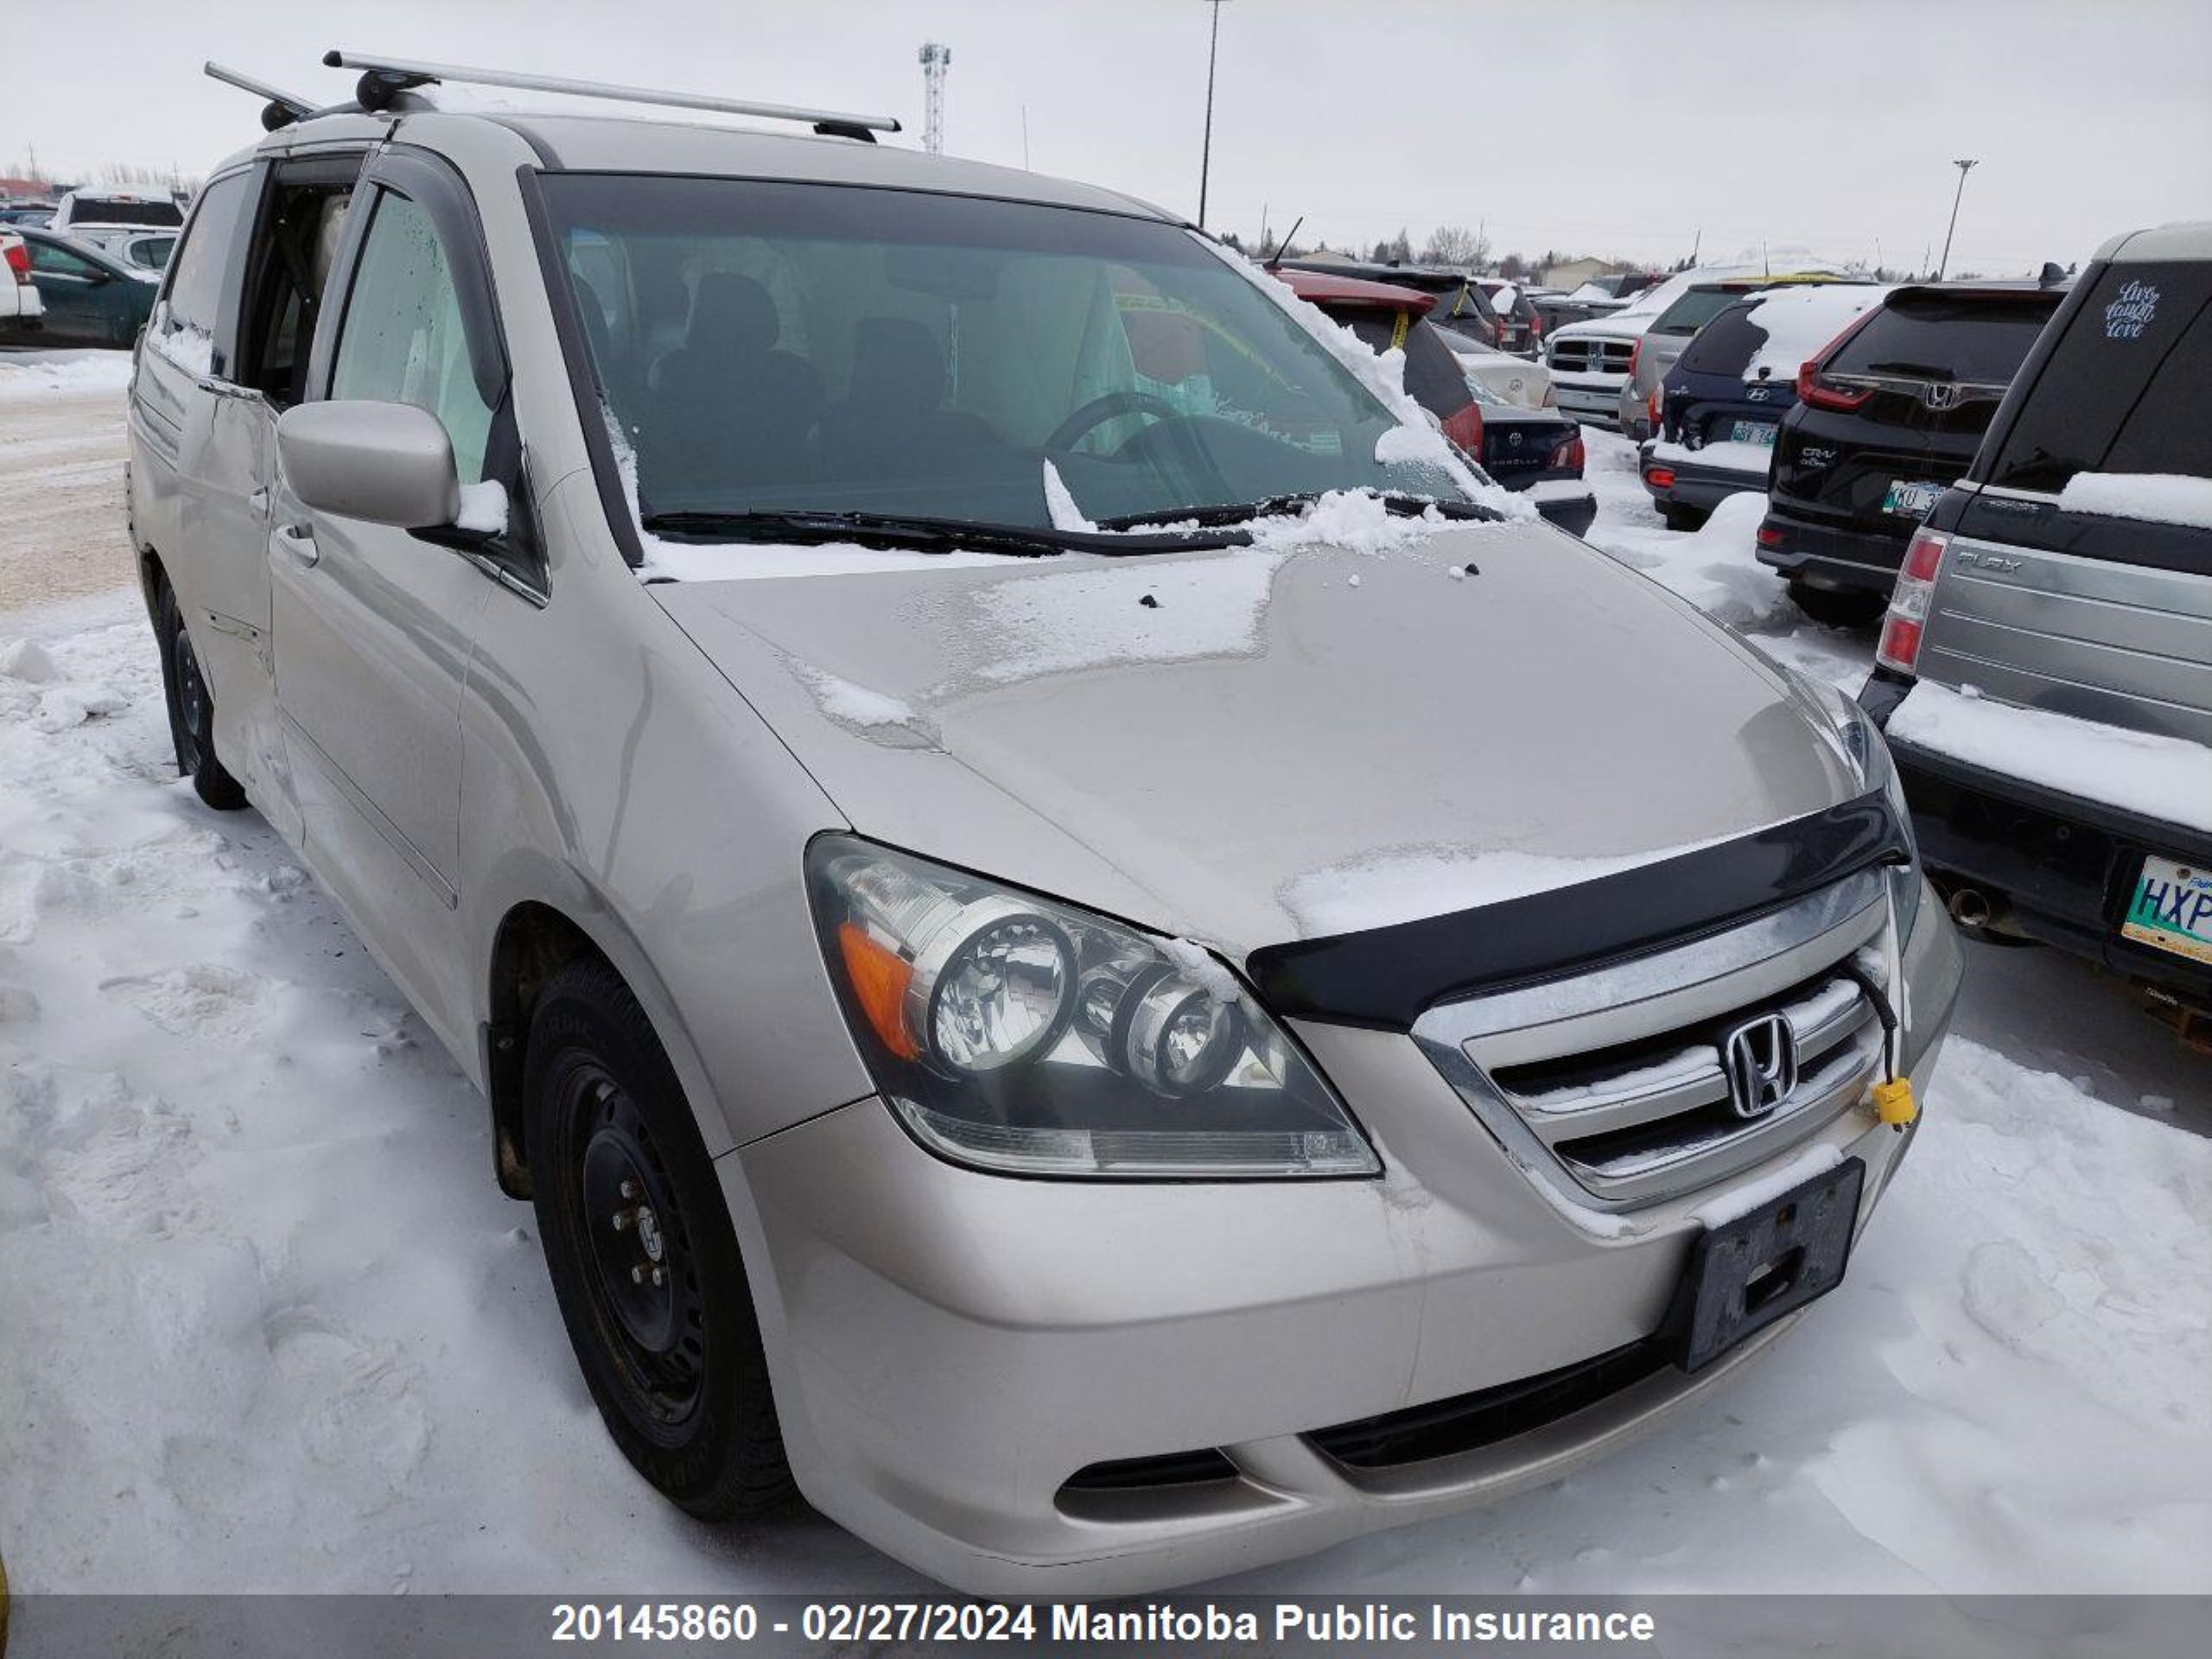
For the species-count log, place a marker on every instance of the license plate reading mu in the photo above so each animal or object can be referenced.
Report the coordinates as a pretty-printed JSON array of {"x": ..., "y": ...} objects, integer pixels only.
[
  {"x": 2173, "y": 909},
  {"x": 1744, "y": 1275}
]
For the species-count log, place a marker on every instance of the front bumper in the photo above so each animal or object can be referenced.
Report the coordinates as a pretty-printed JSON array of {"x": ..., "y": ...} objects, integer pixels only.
[
  {"x": 1848, "y": 560},
  {"x": 949, "y": 1348},
  {"x": 2058, "y": 868},
  {"x": 1595, "y": 398}
]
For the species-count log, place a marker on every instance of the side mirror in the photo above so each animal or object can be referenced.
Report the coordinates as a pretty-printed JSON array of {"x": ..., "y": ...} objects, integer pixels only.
[{"x": 389, "y": 463}]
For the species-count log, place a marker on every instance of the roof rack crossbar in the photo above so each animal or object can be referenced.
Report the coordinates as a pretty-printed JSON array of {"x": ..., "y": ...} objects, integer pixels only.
[
  {"x": 289, "y": 105},
  {"x": 397, "y": 73}
]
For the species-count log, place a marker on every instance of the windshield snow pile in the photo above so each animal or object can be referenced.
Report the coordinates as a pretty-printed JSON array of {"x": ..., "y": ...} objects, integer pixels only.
[{"x": 2168, "y": 778}]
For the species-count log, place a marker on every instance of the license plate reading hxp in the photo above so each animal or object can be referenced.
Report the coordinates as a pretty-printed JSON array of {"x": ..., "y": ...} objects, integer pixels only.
[{"x": 2173, "y": 909}]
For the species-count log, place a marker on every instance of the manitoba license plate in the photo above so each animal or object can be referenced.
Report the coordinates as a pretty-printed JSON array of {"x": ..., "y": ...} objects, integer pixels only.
[
  {"x": 2173, "y": 909},
  {"x": 1758, "y": 432},
  {"x": 1913, "y": 500},
  {"x": 1746, "y": 1273}
]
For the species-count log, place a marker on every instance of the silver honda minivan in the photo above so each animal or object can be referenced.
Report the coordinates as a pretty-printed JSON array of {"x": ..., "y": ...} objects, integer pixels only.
[{"x": 1087, "y": 946}]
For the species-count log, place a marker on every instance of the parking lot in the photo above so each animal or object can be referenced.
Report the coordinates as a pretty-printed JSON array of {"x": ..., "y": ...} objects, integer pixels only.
[{"x": 277, "y": 1330}]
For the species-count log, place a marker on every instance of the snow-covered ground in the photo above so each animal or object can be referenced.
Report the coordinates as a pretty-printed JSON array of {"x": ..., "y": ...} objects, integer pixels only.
[{"x": 266, "y": 1322}]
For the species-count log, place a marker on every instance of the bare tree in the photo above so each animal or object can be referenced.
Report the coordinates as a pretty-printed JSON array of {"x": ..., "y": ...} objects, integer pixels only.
[{"x": 1455, "y": 244}]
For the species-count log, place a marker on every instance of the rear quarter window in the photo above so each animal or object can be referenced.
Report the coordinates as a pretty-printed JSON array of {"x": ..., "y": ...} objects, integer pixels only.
[{"x": 2124, "y": 389}]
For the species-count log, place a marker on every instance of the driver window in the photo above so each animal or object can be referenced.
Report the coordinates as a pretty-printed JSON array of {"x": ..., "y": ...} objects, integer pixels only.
[{"x": 402, "y": 341}]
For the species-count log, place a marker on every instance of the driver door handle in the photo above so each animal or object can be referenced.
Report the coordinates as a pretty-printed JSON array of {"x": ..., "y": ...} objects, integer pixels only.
[{"x": 298, "y": 540}]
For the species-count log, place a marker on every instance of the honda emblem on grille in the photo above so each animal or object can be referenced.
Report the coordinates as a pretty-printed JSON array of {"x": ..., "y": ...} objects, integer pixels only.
[
  {"x": 1761, "y": 1057},
  {"x": 1941, "y": 395}
]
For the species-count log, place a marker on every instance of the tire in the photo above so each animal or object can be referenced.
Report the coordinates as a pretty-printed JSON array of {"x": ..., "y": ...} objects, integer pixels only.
[
  {"x": 675, "y": 1367},
  {"x": 192, "y": 711},
  {"x": 1676, "y": 516},
  {"x": 1851, "y": 609}
]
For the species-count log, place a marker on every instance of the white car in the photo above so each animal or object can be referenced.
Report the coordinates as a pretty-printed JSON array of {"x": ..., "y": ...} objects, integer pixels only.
[
  {"x": 1591, "y": 361},
  {"x": 1515, "y": 379},
  {"x": 21, "y": 306},
  {"x": 81, "y": 210}
]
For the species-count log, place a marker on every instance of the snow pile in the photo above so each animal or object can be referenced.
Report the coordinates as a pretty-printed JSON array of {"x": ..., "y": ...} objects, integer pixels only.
[
  {"x": 1155, "y": 610},
  {"x": 483, "y": 508},
  {"x": 1715, "y": 567},
  {"x": 86, "y": 372},
  {"x": 1799, "y": 321},
  {"x": 2154, "y": 497},
  {"x": 2168, "y": 778},
  {"x": 853, "y": 704},
  {"x": 1060, "y": 507},
  {"x": 1756, "y": 458},
  {"x": 187, "y": 344}
]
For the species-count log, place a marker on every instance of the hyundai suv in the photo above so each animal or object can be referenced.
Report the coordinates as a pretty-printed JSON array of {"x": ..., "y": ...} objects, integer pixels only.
[
  {"x": 2046, "y": 664},
  {"x": 1055, "y": 906},
  {"x": 1887, "y": 415}
]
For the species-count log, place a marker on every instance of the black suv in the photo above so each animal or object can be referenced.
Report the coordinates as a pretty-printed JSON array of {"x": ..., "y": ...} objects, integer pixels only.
[{"x": 1889, "y": 414}]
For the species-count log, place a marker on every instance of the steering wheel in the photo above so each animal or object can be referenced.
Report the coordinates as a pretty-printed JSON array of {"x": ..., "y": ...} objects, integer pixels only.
[{"x": 1099, "y": 410}]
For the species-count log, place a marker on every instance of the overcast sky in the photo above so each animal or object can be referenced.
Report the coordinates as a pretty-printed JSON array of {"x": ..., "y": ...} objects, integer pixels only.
[{"x": 1595, "y": 126}]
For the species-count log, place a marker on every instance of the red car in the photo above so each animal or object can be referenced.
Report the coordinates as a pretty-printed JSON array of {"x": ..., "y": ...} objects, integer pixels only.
[{"x": 1533, "y": 449}]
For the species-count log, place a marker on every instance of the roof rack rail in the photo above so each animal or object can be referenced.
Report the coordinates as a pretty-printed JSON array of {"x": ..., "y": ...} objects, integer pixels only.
[
  {"x": 381, "y": 79},
  {"x": 283, "y": 108}
]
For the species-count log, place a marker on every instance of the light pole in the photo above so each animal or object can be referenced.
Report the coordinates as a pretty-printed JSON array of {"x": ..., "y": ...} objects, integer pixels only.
[
  {"x": 1966, "y": 164},
  {"x": 1205, "y": 153}
]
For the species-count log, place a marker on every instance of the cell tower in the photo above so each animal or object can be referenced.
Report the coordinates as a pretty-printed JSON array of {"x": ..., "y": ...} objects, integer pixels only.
[{"x": 936, "y": 59}]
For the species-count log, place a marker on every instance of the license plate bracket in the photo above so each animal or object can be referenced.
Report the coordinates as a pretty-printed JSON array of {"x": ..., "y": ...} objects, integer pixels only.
[{"x": 1744, "y": 1274}]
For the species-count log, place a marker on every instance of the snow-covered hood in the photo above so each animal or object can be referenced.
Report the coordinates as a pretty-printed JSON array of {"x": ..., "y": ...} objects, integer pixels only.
[
  {"x": 1621, "y": 325},
  {"x": 1255, "y": 745}
]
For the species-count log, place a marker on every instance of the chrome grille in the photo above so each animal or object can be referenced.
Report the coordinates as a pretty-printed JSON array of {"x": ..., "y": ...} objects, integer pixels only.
[
  {"x": 1616, "y": 1079},
  {"x": 1591, "y": 356}
]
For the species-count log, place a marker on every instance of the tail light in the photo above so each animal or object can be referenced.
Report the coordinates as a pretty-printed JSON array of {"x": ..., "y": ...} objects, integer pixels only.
[
  {"x": 1656, "y": 401},
  {"x": 1536, "y": 327},
  {"x": 1660, "y": 477},
  {"x": 1908, "y": 614},
  {"x": 1551, "y": 396},
  {"x": 1569, "y": 453},
  {"x": 1635, "y": 357},
  {"x": 1465, "y": 427},
  {"x": 1825, "y": 394},
  {"x": 19, "y": 261}
]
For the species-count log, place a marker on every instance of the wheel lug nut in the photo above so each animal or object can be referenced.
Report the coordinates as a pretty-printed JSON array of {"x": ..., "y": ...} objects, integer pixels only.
[
  {"x": 629, "y": 1189},
  {"x": 621, "y": 1221},
  {"x": 636, "y": 1275},
  {"x": 659, "y": 1277}
]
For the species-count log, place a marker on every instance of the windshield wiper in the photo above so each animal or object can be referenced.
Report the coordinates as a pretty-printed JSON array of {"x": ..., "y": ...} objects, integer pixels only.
[
  {"x": 917, "y": 534},
  {"x": 1397, "y": 502}
]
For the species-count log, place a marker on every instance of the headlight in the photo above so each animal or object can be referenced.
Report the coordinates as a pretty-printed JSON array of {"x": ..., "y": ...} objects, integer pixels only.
[
  {"x": 1013, "y": 1033},
  {"x": 1862, "y": 745}
]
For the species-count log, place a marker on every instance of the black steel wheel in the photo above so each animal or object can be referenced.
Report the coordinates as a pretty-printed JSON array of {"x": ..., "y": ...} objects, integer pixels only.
[
  {"x": 643, "y": 1257},
  {"x": 192, "y": 711}
]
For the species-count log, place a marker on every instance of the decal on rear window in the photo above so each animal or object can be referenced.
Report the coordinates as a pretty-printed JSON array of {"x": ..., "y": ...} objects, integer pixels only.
[{"x": 2131, "y": 312}]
